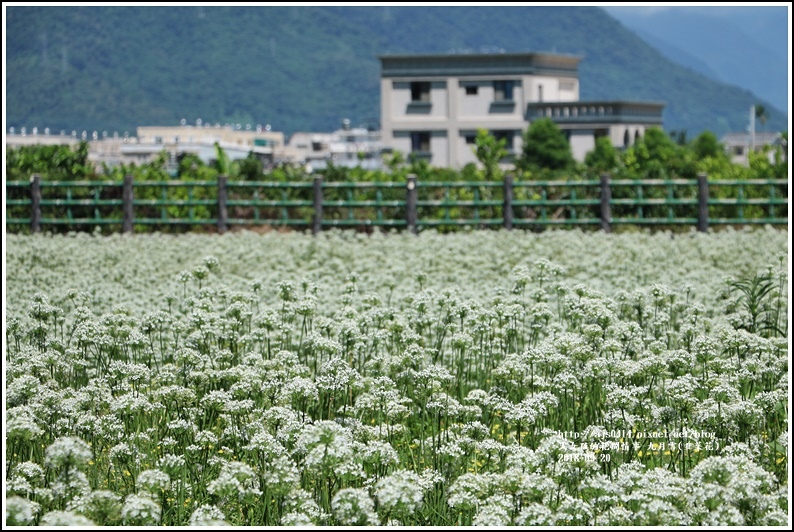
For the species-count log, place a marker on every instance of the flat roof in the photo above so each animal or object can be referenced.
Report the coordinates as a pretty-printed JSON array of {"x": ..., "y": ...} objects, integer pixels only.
[{"x": 428, "y": 65}]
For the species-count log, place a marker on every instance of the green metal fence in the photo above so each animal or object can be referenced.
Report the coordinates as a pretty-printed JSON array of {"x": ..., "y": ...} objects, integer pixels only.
[{"x": 135, "y": 206}]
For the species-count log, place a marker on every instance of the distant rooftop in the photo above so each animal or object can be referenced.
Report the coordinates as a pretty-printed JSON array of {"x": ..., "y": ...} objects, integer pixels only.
[
  {"x": 537, "y": 63},
  {"x": 743, "y": 138}
]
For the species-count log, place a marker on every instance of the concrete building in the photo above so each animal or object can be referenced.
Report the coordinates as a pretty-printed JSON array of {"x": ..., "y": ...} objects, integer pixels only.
[
  {"x": 346, "y": 147},
  {"x": 175, "y": 140},
  {"x": 432, "y": 105},
  {"x": 738, "y": 145},
  {"x": 200, "y": 140}
]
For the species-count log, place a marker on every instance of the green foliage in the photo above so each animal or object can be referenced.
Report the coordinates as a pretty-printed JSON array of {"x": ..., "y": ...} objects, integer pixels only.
[
  {"x": 224, "y": 165},
  {"x": 679, "y": 137},
  {"x": 707, "y": 145},
  {"x": 470, "y": 172},
  {"x": 545, "y": 147},
  {"x": 489, "y": 152},
  {"x": 769, "y": 163},
  {"x": 420, "y": 167},
  {"x": 396, "y": 163},
  {"x": 761, "y": 298},
  {"x": 189, "y": 165},
  {"x": 761, "y": 115},
  {"x": 56, "y": 162},
  {"x": 603, "y": 158},
  {"x": 656, "y": 156}
]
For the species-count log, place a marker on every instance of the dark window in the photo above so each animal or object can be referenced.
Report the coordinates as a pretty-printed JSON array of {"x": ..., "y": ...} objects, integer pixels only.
[
  {"x": 507, "y": 135},
  {"x": 540, "y": 93},
  {"x": 471, "y": 139},
  {"x": 471, "y": 90},
  {"x": 420, "y": 91},
  {"x": 420, "y": 141},
  {"x": 503, "y": 90}
]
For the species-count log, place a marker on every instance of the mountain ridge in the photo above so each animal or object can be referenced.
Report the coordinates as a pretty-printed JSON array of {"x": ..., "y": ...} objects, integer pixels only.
[
  {"x": 307, "y": 68},
  {"x": 740, "y": 46}
]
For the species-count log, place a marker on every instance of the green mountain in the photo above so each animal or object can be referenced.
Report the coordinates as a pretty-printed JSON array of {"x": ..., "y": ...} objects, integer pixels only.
[
  {"x": 307, "y": 68},
  {"x": 746, "y": 46}
]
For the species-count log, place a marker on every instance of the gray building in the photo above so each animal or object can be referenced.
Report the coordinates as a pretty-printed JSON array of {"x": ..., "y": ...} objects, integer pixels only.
[{"x": 432, "y": 105}]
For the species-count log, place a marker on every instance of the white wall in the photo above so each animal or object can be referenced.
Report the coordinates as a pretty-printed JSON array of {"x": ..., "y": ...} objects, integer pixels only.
[{"x": 581, "y": 141}]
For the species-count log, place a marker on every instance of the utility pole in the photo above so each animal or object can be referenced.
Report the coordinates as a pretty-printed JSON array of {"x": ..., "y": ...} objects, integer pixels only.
[{"x": 752, "y": 130}]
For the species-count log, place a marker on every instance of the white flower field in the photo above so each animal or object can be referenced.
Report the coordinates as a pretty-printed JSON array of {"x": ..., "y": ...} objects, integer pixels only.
[{"x": 477, "y": 378}]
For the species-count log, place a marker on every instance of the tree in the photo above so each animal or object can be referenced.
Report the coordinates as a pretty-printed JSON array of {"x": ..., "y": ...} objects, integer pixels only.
[
  {"x": 489, "y": 152},
  {"x": 224, "y": 164},
  {"x": 761, "y": 115},
  {"x": 251, "y": 168},
  {"x": 545, "y": 147},
  {"x": 656, "y": 156},
  {"x": 679, "y": 136},
  {"x": 395, "y": 162},
  {"x": 54, "y": 162},
  {"x": 707, "y": 145},
  {"x": 602, "y": 158}
]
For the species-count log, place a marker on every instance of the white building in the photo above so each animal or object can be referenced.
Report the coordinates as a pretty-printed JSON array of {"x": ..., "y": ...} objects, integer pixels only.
[
  {"x": 739, "y": 144},
  {"x": 346, "y": 147},
  {"x": 150, "y": 141},
  {"x": 432, "y": 105}
]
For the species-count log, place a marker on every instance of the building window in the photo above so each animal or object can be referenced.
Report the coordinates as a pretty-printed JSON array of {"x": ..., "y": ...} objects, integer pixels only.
[
  {"x": 420, "y": 141},
  {"x": 471, "y": 138},
  {"x": 540, "y": 93},
  {"x": 471, "y": 90},
  {"x": 420, "y": 91},
  {"x": 158, "y": 140},
  {"x": 503, "y": 90},
  {"x": 506, "y": 135},
  {"x": 738, "y": 150}
]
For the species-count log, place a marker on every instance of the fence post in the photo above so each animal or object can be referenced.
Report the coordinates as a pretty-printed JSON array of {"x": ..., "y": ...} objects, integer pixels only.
[
  {"x": 606, "y": 207},
  {"x": 222, "y": 214},
  {"x": 703, "y": 203},
  {"x": 410, "y": 203},
  {"x": 317, "y": 222},
  {"x": 128, "y": 215},
  {"x": 35, "y": 203},
  {"x": 507, "y": 207}
]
